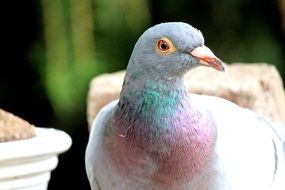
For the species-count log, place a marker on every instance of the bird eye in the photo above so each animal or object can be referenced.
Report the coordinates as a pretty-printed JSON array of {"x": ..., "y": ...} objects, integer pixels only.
[{"x": 164, "y": 46}]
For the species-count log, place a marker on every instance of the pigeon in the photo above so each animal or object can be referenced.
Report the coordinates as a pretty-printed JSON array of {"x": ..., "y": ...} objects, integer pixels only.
[{"x": 158, "y": 136}]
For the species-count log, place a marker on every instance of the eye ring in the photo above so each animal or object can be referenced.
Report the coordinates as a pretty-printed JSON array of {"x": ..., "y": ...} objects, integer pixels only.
[{"x": 164, "y": 46}]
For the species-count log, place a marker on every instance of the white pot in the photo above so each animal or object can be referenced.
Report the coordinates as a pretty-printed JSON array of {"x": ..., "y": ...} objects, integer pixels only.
[{"x": 27, "y": 164}]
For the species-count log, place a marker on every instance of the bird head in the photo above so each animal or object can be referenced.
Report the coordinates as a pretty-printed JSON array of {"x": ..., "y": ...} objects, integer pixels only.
[{"x": 171, "y": 49}]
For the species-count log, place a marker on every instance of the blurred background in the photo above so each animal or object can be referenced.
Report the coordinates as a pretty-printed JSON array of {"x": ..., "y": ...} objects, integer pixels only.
[{"x": 52, "y": 48}]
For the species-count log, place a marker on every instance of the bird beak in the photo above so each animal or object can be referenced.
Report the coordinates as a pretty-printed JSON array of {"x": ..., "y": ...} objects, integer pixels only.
[{"x": 207, "y": 58}]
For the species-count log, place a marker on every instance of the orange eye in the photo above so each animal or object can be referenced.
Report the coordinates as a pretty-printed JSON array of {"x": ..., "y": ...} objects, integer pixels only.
[{"x": 164, "y": 46}]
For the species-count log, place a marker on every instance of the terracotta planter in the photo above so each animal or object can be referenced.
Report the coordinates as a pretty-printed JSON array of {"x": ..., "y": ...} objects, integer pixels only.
[{"x": 27, "y": 164}]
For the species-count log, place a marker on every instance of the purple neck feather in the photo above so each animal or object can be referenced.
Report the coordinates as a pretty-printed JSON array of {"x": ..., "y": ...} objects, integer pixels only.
[{"x": 161, "y": 123}]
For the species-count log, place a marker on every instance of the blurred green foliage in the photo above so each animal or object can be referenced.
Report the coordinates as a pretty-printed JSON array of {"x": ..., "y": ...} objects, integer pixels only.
[{"x": 84, "y": 38}]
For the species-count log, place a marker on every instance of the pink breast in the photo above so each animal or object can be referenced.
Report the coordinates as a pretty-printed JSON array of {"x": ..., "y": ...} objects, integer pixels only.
[{"x": 186, "y": 154}]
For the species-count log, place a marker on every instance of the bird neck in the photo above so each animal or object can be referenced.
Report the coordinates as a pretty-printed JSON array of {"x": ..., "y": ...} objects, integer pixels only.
[
  {"x": 158, "y": 104},
  {"x": 157, "y": 107},
  {"x": 152, "y": 101},
  {"x": 159, "y": 121}
]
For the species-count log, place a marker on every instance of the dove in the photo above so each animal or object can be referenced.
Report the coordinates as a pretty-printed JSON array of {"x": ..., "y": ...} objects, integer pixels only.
[{"x": 158, "y": 136}]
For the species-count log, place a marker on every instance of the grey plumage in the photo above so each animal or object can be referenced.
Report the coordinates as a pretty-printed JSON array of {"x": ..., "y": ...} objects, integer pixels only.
[{"x": 158, "y": 136}]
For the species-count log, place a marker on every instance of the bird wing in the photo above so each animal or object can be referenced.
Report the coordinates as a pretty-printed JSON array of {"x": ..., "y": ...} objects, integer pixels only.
[
  {"x": 278, "y": 140},
  {"x": 94, "y": 144},
  {"x": 245, "y": 142},
  {"x": 279, "y": 129}
]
